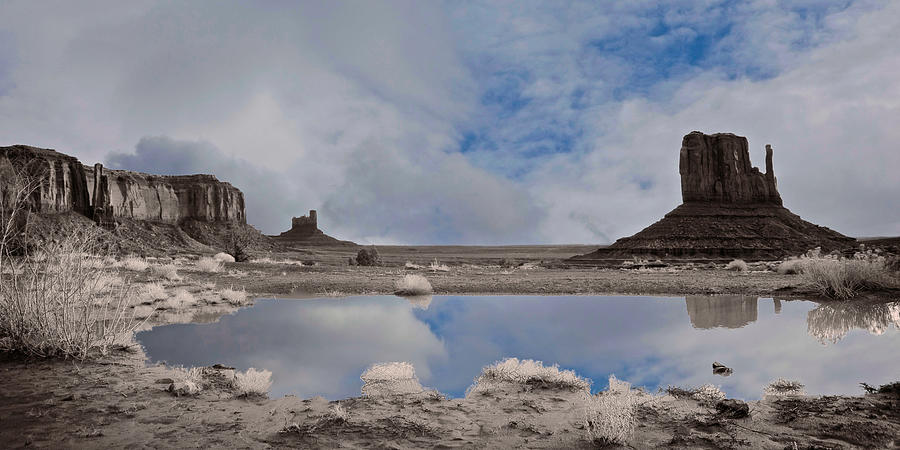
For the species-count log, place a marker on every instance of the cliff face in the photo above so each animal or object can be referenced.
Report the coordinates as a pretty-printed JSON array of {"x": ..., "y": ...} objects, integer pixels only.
[
  {"x": 716, "y": 168},
  {"x": 62, "y": 185},
  {"x": 102, "y": 194}
]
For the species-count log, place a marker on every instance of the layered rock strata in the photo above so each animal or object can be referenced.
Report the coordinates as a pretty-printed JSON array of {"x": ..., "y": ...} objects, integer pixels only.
[
  {"x": 103, "y": 194},
  {"x": 730, "y": 210}
]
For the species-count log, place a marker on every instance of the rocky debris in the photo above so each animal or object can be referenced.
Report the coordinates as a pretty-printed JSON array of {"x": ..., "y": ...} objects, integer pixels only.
[
  {"x": 730, "y": 210},
  {"x": 184, "y": 388},
  {"x": 305, "y": 231}
]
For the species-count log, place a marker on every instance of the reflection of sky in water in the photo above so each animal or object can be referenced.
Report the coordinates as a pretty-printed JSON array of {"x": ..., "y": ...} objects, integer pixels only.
[{"x": 320, "y": 347}]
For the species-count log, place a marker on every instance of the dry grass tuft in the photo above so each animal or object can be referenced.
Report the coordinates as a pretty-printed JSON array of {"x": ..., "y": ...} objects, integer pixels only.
[
  {"x": 156, "y": 292},
  {"x": 393, "y": 378},
  {"x": 436, "y": 266},
  {"x": 791, "y": 266},
  {"x": 845, "y": 278},
  {"x": 182, "y": 299},
  {"x": 209, "y": 265},
  {"x": 252, "y": 382},
  {"x": 412, "y": 285},
  {"x": 782, "y": 387},
  {"x": 135, "y": 264},
  {"x": 610, "y": 415},
  {"x": 527, "y": 372},
  {"x": 165, "y": 272},
  {"x": 738, "y": 265},
  {"x": 235, "y": 297}
]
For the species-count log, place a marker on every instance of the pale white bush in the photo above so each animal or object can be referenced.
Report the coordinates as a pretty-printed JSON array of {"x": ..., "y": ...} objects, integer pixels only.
[
  {"x": 411, "y": 266},
  {"x": 235, "y": 297},
  {"x": 338, "y": 413},
  {"x": 782, "y": 387},
  {"x": 166, "y": 272},
  {"x": 209, "y": 265},
  {"x": 610, "y": 415},
  {"x": 223, "y": 257},
  {"x": 285, "y": 262},
  {"x": 252, "y": 382},
  {"x": 412, "y": 284},
  {"x": 436, "y": 266},
  {"x": 527, "y": 371},
  {"x": 393, "y": 378},
  {"x": 134, "y": 263},
  {"x": 792, "y": 266},
  {"x": 708, "y": 394},
  {"x": 156, "y": 291},
  {"x": 181, "y": 299},
  {"x": 738, "y": 265}
]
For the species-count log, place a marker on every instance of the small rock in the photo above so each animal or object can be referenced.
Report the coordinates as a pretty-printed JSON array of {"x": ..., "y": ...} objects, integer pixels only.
[
  {"x": 733, "y": 409},
  {"x": 721, "y": 369},
  {"x": 180, "y": 388}
]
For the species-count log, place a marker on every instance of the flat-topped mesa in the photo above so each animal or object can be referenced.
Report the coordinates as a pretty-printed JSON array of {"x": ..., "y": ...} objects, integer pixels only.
[
  {"x": 102, "y": 194},
  {"x": 716, "y": 168}
]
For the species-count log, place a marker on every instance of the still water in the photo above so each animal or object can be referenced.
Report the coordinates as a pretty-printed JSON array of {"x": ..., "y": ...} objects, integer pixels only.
[{"x": 321, "y": 346}]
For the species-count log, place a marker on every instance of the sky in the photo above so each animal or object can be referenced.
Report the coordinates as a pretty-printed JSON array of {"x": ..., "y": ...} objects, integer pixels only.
[{"x": 495, "y": 122}]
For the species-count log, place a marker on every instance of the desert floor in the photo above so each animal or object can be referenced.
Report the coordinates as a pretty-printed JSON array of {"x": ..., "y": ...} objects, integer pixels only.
[{"x": 120, "y": 401}]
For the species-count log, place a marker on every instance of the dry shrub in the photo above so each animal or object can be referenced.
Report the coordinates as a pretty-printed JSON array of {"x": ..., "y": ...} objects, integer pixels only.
[
  {"x": 412, "y": 285},
  {"x": 845, "y": 278},
  {"x": 181, "y": 299},
  {"x": 223, "y": 257},
  {"x": 368, "y": 257},
  {"x": 60, "y": 303},
  {"x": 393, "y": 378},
  {"x": 610, "y": 415},
  {"x": 782, "y": 387},
  {"x": 134, "y": 264},
  {"x": 252, "y": 382},
  {"x": 235, "y": 297},
  {"x": 166, "y": 272},
  {"x": 209, "y": 265},
  {"x": 156, "y": 291},
  {"x": 791, "y": 266},
  {"x": 436, "y": 266},
  {"x": 708, "y": 394},
  {"x": 738, "y": 265},
  {"x": 527, "y": 372},
  {"x": 411, "y": 266}
]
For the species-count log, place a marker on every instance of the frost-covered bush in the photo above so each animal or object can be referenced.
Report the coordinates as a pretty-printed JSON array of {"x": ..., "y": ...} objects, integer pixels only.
[
  {"x": 791, "y": 266},
  {"x": 165, "y": 272},
  {"x": 393, "y": 378},
  {"x": 610, "y": 415},
  {"x": 209, "y": 265},
  {"x": 781, "y": 387},
  {"x": 738, "y": 265},
  {"x": 235, "y": 297},
  {"x": 134, "y": 263},
  {"x": 252, "y": 382},
  {"x": 411, "y": 285},
  {"x": 527, "y": 372}
]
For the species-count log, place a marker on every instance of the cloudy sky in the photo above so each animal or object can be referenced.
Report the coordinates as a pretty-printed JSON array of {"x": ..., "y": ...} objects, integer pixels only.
[{"x": 466, "y": 122}]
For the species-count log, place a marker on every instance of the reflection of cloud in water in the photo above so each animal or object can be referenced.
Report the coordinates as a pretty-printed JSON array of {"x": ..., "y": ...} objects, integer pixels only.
[
  {"x": 727, "y": 311},
  {"x": 313, "y": 347},
  {"x": 831, "y": 322},
  {"x": 321, "y": 347}
]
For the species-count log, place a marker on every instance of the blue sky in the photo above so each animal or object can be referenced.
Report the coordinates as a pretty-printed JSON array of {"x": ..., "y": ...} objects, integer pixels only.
[{"x": 466, "y": 122}]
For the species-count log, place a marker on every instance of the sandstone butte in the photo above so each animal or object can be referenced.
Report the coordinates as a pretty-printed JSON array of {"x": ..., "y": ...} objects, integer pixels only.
[
  {"x": 105, "y": 195},
  {"x": 729, "y": 210}
]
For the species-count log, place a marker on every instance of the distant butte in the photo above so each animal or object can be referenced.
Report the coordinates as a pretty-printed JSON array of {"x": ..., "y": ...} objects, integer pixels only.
[
  {"x": 305, "y": 231},
  {"x": 730, "y": 210}
]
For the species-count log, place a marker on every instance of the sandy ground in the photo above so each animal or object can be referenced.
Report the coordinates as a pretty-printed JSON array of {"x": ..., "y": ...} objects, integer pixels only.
[{"x": 118, "y": 401}]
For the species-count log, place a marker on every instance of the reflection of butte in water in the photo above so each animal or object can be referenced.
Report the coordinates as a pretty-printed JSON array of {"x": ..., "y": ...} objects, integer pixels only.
[{"x": 726, "y": 311}]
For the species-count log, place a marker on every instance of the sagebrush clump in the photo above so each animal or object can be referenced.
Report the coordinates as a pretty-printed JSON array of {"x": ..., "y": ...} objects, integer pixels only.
[
  {"x": 527, "y": 372},
  {"x": 738, "y": 265},
  {"x": 252, "y": 382},
  {"x": 412, "y": 285}
]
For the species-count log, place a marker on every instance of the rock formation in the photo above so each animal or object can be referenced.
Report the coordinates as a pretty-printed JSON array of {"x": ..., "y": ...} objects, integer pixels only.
[
  {"x": 730, "y": 210},
  {"x": 105, "y": 195},
  {"x": 305, "y": 231}
]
